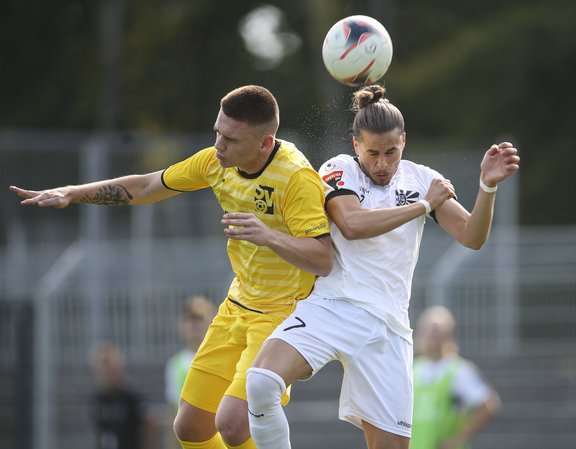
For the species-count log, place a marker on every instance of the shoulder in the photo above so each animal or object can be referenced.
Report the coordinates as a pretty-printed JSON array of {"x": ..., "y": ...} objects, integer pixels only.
[
  {"x": 290, "y": 157},
  {"x": 418, "y": 170},
  {"x": 467, "y": 368},
  {"x": 338, "y": 166},
  {"x": 342, "y": 173},
  {"x": 291, "y": 167},
  {"x": 194, "y": 172},
  {"x": 342, "y": 161},
  {"x": 414, "y": 167},
  {"x": 203, "y": 158},
  {"x": 468, "y": 375},
  {"x": 206, "y": 154}
]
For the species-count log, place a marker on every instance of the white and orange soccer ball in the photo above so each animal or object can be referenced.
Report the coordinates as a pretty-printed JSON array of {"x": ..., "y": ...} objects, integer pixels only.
[{"x": 357, "y": 50}]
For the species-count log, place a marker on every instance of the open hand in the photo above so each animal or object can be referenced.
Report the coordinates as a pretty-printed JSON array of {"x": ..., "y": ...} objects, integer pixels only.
[
  {"x": 42, "y": 198},
  {"x": 499, "y": 162}
]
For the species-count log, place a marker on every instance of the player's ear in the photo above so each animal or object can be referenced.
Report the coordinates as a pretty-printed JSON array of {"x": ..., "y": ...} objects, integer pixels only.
[
  {"x": 268, "y": 143},
  {"x": 355, "y": 144}
]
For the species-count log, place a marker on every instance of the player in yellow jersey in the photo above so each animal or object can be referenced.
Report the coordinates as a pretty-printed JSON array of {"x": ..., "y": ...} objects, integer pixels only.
[{"x": 278, "y": 242}]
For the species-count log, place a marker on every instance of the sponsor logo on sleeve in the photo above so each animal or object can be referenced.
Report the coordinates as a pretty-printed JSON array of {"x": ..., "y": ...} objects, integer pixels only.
[
  {"x": 334, "y": 179},
  {"x": 315, "y": 228}
]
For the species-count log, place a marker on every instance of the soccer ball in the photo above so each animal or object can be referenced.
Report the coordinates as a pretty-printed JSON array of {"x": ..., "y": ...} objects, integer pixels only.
[{"x": 357, "y": 50}]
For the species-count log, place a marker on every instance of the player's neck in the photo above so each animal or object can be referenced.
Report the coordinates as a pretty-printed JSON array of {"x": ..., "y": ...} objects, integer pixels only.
[{"x": 258, "y": 164}]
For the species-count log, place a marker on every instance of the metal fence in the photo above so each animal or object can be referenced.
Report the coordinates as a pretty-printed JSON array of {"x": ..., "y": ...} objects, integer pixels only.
[
  {"x": 528, "y": 354},
  {"x": 70, "y": 278}
]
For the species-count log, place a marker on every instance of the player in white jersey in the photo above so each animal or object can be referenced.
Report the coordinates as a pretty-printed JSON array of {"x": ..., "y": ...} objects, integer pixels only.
[{"x": 377, "y": 204}]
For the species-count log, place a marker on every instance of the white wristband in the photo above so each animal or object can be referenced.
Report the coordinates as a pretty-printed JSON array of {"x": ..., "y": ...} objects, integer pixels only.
[
  {"x": 426, "y": 204},
  {"x": 486, "y": 188}
]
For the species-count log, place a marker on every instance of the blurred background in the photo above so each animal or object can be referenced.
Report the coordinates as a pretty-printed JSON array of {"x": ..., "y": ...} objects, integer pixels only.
[{"x": 101, "y": 88}]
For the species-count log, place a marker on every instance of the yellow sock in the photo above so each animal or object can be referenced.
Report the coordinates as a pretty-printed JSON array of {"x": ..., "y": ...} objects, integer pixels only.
[
  {"x": 213, "y": 443},
  {"x": 248, "y": 444}
]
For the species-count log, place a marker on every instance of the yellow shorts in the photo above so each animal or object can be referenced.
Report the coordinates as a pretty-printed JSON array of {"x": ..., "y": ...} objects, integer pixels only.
[{"x": 228, "y": 350}]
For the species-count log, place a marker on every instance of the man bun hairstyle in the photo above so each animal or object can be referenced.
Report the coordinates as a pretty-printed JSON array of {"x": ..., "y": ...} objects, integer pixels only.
[
  {"x": 374, "y": 113},
  {"x": 251, "y": 104}
]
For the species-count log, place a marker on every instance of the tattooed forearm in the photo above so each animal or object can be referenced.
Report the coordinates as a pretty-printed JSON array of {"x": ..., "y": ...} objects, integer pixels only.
[{"x": 110, "y": 195}]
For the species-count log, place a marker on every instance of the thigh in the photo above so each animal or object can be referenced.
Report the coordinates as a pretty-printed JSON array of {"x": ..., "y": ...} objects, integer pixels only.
[
  {"x": 256, "y": 328},
  {"x": 380, "y": 439},
  {"x": 214, "y": 364},
  {"x": 377, "y": 384},
  {"x": 222, "y": 345},
  {"x": 309, "y": 330},
  {"x": 204, "y": 390},
  {"x": 278, "y": 356},
  {"x": 193, "y": 423}
]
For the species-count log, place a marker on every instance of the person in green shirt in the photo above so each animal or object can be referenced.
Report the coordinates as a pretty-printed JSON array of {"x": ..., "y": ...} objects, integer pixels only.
[
  {"x": 196, "y": 315},
  {"x": 451, "y": 400}
]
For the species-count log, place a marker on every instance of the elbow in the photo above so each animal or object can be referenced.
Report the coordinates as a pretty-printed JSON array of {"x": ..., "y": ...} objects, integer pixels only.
[
  {"x": 473, "y": 237},
  {"x": 473, "y": 245},
  {"x": 351, "y": 232},
  {"x": 325, "y": 269}
]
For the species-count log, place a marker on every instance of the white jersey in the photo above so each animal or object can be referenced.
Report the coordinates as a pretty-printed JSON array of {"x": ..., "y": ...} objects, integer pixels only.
[{"x": 376, "y": 273}]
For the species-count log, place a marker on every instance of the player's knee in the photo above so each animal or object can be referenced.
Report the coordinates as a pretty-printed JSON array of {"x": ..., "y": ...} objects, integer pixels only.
[
  {"x": 232, "y": 421},
  {"x": 184, "y": 429},
  {"x": 233, "y": 431},
  {"x": 180, "y": 429},
  {"x": 191, "y": 426},
  {"x": 264, "y": 389}
]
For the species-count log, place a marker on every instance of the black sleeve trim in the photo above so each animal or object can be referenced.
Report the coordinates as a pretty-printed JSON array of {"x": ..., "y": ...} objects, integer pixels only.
[
  {"x": 167, "y": 186},
  {"x": 340, "y": 192},
  {"x": 322, "y": 236}
]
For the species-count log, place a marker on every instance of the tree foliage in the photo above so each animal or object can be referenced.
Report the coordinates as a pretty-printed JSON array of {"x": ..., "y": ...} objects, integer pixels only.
[{"x": 463, "y": 72}]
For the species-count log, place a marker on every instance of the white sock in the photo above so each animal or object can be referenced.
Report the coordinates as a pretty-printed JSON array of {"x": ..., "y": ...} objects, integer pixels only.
[{"x": 268, "y": 423}]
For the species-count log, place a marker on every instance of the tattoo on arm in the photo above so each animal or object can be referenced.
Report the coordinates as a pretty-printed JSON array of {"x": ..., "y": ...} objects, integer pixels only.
[{"x": 110, "y": 195}]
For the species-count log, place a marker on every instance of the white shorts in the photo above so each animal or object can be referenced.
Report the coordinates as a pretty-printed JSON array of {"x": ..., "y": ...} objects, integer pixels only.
[{"x": 377, "y": 382}]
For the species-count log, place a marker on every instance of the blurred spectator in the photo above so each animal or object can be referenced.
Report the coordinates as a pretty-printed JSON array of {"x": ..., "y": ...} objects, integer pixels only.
[
  {"x": 118, "y": 411},
  {"x": 451, "y": 400},
  {"x": 197, "y": 314}
]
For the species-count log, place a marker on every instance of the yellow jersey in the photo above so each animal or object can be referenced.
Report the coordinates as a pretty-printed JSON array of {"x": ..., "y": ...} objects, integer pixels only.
[{"x": 286, "y": 195}]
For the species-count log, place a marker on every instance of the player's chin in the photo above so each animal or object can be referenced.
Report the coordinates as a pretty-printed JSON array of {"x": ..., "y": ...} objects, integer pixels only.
[
  {"x": 224, "y": 162},
  {"x": 380, "y": 180}
]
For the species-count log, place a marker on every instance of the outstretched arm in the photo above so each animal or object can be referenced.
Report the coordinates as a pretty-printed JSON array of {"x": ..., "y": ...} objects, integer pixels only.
[
  {"x": 314, "y": 255},
  {"x": 127, "y": 190},
  {"x": 472, "y": 229}
]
